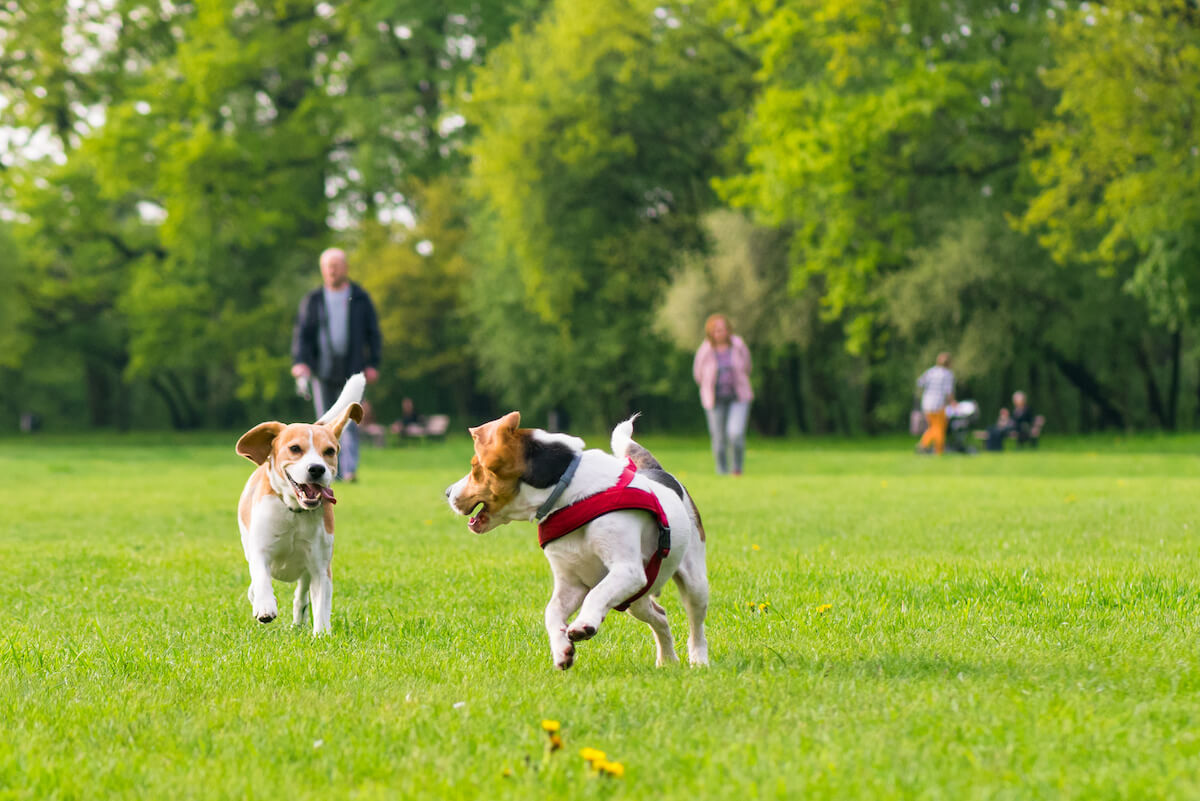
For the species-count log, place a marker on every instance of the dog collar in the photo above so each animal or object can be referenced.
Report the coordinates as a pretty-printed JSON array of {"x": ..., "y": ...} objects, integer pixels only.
[{"x": 559, "y": 488}]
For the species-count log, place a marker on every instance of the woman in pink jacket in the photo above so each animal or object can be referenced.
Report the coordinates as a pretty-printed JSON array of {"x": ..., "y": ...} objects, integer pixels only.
[{"x": 722, "y": 369}]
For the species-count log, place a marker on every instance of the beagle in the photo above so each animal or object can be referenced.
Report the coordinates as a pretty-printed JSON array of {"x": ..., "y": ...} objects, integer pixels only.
[
  {"x": 286, "y": 510},
  {"x": 614, "y": 528}
]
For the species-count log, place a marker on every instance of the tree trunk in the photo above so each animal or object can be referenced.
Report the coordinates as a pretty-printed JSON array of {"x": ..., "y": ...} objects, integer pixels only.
[
  {"x": 99, "y": 393},
  {"x": 1173, "y": 387},
  {"x": 1089, "y": 388},
  {"x": 795, "y": 381},
  {"x": 1153, "y": 397},
  {"x": 180, "y": 408}
]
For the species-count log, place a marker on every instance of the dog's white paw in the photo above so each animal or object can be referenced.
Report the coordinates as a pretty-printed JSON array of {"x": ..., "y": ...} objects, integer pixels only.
[
  {"x": 565, "y": 658},
  {"x": 581, "y": 631},
  {"x": 266, "y": 610}
]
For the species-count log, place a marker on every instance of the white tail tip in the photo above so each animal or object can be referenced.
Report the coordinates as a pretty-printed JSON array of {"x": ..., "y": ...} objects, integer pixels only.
[
  {"x": 622, "y": 435},
  {"x": 356, "y": 385}
]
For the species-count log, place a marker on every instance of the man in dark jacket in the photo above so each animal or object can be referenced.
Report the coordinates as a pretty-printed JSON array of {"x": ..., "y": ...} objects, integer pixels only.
[{"x": 336, "y": 336}]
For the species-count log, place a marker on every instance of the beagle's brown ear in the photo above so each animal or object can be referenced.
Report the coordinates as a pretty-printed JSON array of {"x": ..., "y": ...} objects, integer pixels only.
[
  {"x": 484, "y": 434},
  {"x": 352, "y": 412},
  {"x": 509, "y": 422},
  {"x": 494, "y": 442},
  {"x": 255, "y": 444}
]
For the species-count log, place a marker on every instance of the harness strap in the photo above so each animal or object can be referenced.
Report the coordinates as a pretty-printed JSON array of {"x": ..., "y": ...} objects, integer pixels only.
[
  {"x": 563, "y": 481},
  {"x": 620, "y": 496}
]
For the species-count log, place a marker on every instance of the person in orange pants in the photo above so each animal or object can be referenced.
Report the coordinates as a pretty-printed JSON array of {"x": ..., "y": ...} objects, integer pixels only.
[
  {"x": 937, "y": 390},
  {"x": 934, "y": 438}
]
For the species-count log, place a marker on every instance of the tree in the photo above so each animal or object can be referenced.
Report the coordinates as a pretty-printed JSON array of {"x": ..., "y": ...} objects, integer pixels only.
[
  {"x": 1118, "y": 165},
  {"x": 875, "y": 123},
  {"x": 803, "y": 377},
  {"x": 597, "y": 130},
  {"x": 416, "y": 278},
  {"x": 197, "y": 156}
]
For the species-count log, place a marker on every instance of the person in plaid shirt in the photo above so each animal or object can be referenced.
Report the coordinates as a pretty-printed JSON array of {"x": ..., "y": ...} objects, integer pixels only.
[{"x": 937, "y": 390}]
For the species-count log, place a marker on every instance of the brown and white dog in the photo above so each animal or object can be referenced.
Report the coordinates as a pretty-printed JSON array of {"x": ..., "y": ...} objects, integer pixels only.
[
  {"x": 515, "y": 475},
  {"x": 286, "y": 510}
]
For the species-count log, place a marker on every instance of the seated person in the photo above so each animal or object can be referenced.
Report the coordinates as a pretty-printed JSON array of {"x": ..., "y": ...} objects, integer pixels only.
[
  {"x": 410, "y": 423},
  {"x": 1023, "y": 420},
  {"x": 997, "y": 433}
]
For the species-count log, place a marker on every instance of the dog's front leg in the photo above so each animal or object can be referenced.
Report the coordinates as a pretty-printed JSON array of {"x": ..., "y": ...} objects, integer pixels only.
[
  {"x": 624, "y": 579},
  {"x": 322, "y": 600},
  {"x": 262, "y": 594},
  {"x": 564, "y": 601}
]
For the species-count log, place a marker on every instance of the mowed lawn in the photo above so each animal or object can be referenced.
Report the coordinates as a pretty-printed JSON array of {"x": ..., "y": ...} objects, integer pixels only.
[{"x": 1021, "y": 625}]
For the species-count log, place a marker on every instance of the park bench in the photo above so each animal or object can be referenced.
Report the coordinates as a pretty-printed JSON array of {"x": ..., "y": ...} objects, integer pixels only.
[{"x": 434, "y": 427}]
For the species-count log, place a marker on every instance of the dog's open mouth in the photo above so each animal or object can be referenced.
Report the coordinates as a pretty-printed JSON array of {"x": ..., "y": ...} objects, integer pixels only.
[
  {"x": 311, "y": 495},
  {"x": 479, "y": 520}
]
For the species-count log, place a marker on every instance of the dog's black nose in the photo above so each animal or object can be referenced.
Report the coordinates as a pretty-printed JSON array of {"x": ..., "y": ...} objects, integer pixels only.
[
  {"x": 447, "y": 492},
  {"x": 316, "y": 470}
]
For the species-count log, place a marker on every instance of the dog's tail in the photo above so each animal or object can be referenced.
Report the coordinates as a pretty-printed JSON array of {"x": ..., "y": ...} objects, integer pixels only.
[
  {"x": 351, "y": 393},
  {"x": 623, "y": 445}
]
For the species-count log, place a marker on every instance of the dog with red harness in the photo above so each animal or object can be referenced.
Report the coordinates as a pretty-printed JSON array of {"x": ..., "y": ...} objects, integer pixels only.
[{"x": 614, "y": 527}]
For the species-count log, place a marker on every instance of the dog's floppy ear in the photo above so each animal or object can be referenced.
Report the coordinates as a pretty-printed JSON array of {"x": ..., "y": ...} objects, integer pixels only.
[
  {"x": 353, "y": 412},
  {"x": 490, "y": 438},
  {"x": 255, "y": 444},
  {"x": 484, "y": 434}
]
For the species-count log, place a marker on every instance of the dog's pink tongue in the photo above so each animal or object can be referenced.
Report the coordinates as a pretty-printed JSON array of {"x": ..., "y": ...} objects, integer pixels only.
[{"x": 327, "y": 493}]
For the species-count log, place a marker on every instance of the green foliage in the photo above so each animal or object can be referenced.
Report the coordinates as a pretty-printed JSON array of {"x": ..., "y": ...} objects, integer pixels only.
[
  {"x": 874, "y": 123},
  {"x": 1118, "y": 163},
  {"x": 1013, "y": 182},
  {"x": 596, "y": 128},
  {"x": 15, "y": 316},
  {"x": 189, "y": 161},
  {"x": 416, "y": 278}
]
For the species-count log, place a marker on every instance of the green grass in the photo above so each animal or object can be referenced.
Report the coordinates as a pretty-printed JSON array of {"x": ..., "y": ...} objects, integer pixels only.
[{"x": 1006, "y": 626}]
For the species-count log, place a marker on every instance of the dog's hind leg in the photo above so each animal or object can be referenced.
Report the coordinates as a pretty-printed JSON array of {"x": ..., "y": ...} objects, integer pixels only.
[
  {"x": 647, "y": 610},
  {"x": 692, "y": 580},
  {"x": 300, "y": 600},
  {"x": 564, "y": 601}
]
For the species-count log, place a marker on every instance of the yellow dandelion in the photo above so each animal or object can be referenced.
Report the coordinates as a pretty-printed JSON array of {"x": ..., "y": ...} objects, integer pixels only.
[
  {"x": 611, "y": 768},
  {"x": 555, "y": 742},
  {"x": 1070, "y": 498},
  {"x": 429, "y": 521},
  {"x": 550, "y": 725},
  {"x": 592, "y": 755},
  {"x": 883, "y": 483},
  {"x": 506, "y": 773},
  {"x": 755, "y": 548},
  {"x": 763, "y": 607},
  {"x": 823, "y": 608}
]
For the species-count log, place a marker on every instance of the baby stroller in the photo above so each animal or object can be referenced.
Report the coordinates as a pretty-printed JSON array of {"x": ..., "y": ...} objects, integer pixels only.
[{"x": 959, "y": 417}]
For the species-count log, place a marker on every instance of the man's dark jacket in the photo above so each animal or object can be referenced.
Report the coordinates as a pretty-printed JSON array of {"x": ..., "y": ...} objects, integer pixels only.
[{"x": 310, "y": 333}]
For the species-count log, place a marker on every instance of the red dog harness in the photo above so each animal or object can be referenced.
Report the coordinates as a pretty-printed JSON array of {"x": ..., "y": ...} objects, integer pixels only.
[{"x": 620, "y": 496}]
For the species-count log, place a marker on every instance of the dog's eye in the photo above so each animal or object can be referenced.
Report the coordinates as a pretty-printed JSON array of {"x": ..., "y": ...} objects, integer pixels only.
[
  {"x": 330, "y": 452},
  {"x": 296, "y": 449}
]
